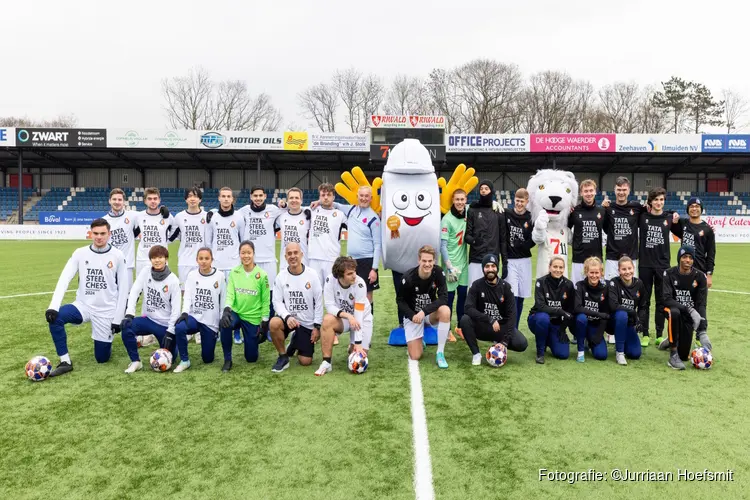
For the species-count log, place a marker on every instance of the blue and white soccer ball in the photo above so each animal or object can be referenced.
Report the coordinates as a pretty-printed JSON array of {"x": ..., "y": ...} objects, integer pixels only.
[
  {"x": 497, "y": 355},
  {"x": 701, "y": 358},
  {"x": 161, "y": 360},
  {"x": 357, "y": 362},
  {"x": 38, "y": 368}
]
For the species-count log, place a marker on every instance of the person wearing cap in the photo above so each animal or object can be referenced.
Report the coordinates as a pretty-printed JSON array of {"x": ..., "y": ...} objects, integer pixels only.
[
  {"x": 490, "y": 312},
  {"x": 486, "y": 232},
  {"x": 552, "y": 313},
  {"x": 685, "y": 293},
  {"x": 696, "y": 233}
]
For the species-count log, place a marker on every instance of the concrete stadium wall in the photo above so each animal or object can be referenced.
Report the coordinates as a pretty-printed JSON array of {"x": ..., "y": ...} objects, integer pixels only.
[{"x": 742, "y": 184}]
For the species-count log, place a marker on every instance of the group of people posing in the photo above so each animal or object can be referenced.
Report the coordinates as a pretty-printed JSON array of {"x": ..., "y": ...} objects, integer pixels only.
[{"x": 227, "y": 271}]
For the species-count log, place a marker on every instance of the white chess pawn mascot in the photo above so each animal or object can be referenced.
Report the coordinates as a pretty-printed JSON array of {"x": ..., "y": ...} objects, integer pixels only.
[{"x": 552, "y": 193}]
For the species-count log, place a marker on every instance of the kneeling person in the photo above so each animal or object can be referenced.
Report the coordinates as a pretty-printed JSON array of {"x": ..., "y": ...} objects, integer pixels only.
[
  {"x": 160, "y": 309},
  {"x": 348, "y": 310},
  {"x": 100, "y": 298},
  {"x": 592, "y": 310},
  {"x": 205, "y": 291},
  {"x": 490, "y": 313},
  {"x": 423, "y": 300}
]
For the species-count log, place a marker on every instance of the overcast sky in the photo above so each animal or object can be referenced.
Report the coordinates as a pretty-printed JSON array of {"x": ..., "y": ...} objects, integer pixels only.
[{"x": 103, "y": 61}]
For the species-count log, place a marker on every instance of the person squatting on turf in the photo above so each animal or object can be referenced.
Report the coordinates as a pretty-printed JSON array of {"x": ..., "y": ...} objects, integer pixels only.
[
  {"x": 160, "y": 308},
  {"x": 586, "y": 222},
  {"x": 490, "y": 313},
  {"x": 654, "y": 258},
  {"x": 155, "y": 226},
  {"x": 205, "y": 292},
  {"x": 592, "y": 310},
  {"x": 298, "y": 301},
  {"x": 124, "y": 230},
  {"x": 347, "y": 310},
  {"x": 520, "y": 227},
  {"x": 485, "y": 232},
  {"x": 191, "y": 226},
  {"x": 423, "y": 301},
  {"x": 685, "y": 293},
  {"x": 247, "y": 307},
  {"x": 454, "y": 250},
  {"x": 552, "y": 313},
  {"x": 628, "y": 305},
  {"x": 100, "y": 299}
]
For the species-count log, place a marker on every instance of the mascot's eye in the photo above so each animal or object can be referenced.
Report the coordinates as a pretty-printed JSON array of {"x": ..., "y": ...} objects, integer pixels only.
[
  {"x": 541, "y": 187},
  {"x": 567, "y": 190},
  {"x": 424, "y": 200},
  {"x": 400, "y": 200}
]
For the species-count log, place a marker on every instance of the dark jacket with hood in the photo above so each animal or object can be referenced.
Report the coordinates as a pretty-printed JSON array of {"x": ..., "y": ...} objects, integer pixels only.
[{"x": 486, "y": 231}]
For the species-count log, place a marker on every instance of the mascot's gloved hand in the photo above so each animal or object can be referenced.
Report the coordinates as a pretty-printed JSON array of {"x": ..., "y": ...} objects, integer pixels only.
[
  {"x": 355, "y": 180},
  {"x": 542, "y": 220},
  {"x": 462, "y": 178}
]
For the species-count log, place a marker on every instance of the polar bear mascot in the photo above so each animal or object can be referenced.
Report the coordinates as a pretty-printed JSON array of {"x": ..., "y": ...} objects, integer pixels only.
[{"x": 552, "y": 193}]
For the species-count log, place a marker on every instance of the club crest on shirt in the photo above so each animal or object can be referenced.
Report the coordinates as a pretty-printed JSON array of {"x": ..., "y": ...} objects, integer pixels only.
[
  {"x": 232, "y": 224},
  {"x": 445, "y": 229},
  {"x": 598, "y": 216},
  {"x": 302, "y": 223},
  {"x": 110, "y": 265},
  {"x": 547, "y": 294},
  {"x": 307, "y": 285},
  {"x": 351, "y": 297},
  {"x": 266, "y": 215},
  {"x": 127, "y": 221},
  {"x": 601, "y": 299},
  {"x": 335, "y": 214},
  {"x": 216, "y": 284},
  {"x": 700, "y": 233},
  {"x": 525, "y": 225},
  {"x": 203, "y": 221},
  {"x": 86, "y": 263},
  {"x": 632, "y": 212},
  {"x": 695, "y": 283},
  {"x": 165, "y": 289},
  {"x": 580, "y": 216},
  {"x": 638, "y": 295},
  {"x": 481, "y": 294},
  {"x": 162, "y": 222},
  {"x": 565, "y": 295},
  {"x": 502, "y": 299},
  {"x": 586, "y": 294},
  {"x": 666, "y": 223},
  {"x": 361, "y": 285},
  {"x": 257, "y": 275}
]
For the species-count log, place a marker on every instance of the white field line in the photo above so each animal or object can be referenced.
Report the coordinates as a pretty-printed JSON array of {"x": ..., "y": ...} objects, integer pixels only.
[
  {"x": 422, "y": 464},
  {"x": 729, "y": 291},
  {"x": 31, "y": 294}
]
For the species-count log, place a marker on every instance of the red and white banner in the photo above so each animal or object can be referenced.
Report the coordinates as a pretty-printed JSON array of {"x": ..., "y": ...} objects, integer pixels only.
[
  {"x": 406, "y": 121},
  {"x": 730, "y": 228},
  {"x": 573, "y": 143}
]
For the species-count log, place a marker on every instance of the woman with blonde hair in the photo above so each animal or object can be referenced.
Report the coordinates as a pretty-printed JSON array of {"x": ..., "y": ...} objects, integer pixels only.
[{"x": 592, "y": 310}]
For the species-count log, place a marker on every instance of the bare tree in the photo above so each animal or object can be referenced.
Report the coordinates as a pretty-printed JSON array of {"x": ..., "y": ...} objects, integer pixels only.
[
  {"x": 348, "y": 87},
  {"x": 62, "y": 121},
  {"x": 485, "y": 91},
  {"x": 189, "y": 100},
  {"x": 619, "y": 103},
  {"x": 735, "y": 107},
  {"x": 235, "y": 109},
  {"x": 651, "y": 118},
  {"x": 407, "y": 95},
  {"x": 444, "y": 96},
  {"x": 319, "y": 103},
  {"x": 371, "y": 93},
  {"x": 552, "y": 100}
]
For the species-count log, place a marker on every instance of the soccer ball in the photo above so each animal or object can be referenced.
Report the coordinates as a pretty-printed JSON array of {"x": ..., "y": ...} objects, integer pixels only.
[
  {"x": 701, "y": 358},
  {"x": 38, "y": 368},
  {"x": 161, "y": 360},
  {"x": 357, "y": 362},
  {"x": 497, "y": 355}
]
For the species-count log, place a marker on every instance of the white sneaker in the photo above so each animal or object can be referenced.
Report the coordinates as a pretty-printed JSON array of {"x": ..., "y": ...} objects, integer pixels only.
[
  {"x": 148, "y": 340},
  {"x": 184, "y": 365},
  {"x": 620, "y": 357},
  {"x": 611, "y": 339},
  {"x": 325, "y": 367},
  {"x": 134, "y": 366},
  {"x": 198, "y": 338},
  {"x": 476, "y": 359},
  {"x": 189, "y": 338},
  {"x": 139, "y": 340}
]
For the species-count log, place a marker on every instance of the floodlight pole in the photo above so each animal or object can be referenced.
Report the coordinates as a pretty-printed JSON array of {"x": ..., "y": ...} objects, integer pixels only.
[
  {"x": 20, "y": 185},
  {"x": 259, "y": 168}
]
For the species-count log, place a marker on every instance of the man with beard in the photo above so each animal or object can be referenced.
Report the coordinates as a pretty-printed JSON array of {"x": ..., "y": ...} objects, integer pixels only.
[{"x": 485, "y": 232}]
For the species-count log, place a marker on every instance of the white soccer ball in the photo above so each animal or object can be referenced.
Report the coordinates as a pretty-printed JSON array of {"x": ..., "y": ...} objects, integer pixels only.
[
  {"x": 357, "y": 362},
  {"x": 497, "y": 355},
  {"x": 161, "y": 360},
  {"x": 38, "y": 368}
]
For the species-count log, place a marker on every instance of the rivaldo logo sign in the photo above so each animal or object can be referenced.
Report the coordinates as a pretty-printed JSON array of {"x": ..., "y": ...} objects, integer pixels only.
[{"x": 406, "y": 121}]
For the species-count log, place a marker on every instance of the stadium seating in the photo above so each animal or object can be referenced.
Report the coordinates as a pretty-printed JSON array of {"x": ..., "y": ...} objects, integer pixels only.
[{"x": 96, "y": 200}]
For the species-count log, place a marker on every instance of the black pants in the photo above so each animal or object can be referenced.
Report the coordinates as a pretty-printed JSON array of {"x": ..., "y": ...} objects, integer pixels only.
[
  {"x": 474, "y": 331},
  {"x": 680, "y": 328},
  {"x": 397, "y": 277},
  {"x": 653, "y": 279}
]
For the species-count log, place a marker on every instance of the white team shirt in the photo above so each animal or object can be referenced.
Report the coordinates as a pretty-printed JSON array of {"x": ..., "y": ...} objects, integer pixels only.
[
  {"x": 299, "y": 296},
  {"x": 161, "y": 299},
  {"x": 295, "y": 229},
  {"x": 155, "y": 230},
  {"x": 204, "y": 297},
  {"x": 192, "y": 236},
  {"x": 259, "y": 228},
  {"x": 224, "y": 236},
  {"x": 121, "y": 234},
  {"x": 325, "y": 231},
  {"x": 352, "y": 300},
  {"x": 99, "y": 276}
]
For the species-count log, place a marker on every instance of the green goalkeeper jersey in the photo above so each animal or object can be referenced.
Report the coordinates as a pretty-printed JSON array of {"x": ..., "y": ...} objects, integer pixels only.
[
  {"x": 249, "y": 295},
  {"x": 453, "y": 230}
]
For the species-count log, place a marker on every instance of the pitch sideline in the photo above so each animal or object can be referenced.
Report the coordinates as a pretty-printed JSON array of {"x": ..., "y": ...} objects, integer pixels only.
[{"x": 422, "y": 464}]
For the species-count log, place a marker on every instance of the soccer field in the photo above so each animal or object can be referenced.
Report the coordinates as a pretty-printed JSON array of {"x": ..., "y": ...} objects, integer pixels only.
[{"x": 98, "y": 433}]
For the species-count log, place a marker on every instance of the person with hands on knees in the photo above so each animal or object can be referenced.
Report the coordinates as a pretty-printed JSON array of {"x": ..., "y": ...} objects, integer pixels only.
[
  {"x": 592, "y": 310},
  {"x": 160, "y": 309},
  {"x": 247, "y": 307},
  {"x": 490, "y": 313},
  {"x": 485, "y": 231},
  {"x": 628, "y": 303},
  {"x": 347, "y": 310},
  {"x": 552, "y": 313},
  {"x": 205, "y": 292},
  {"x": 100, "y": 298},
  {"x": 298, "y": 302},
  {"x": 423, "y": 300},
  {"x": 685, "y": 293}
]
